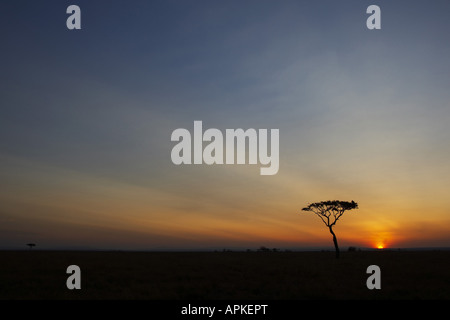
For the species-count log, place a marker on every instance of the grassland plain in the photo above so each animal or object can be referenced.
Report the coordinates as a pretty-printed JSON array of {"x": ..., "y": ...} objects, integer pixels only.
[{"x": 405, "y": 275}]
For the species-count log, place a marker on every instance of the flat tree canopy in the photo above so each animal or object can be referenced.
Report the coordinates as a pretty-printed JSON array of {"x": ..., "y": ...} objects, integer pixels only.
[{"x": 330, "y": 211}]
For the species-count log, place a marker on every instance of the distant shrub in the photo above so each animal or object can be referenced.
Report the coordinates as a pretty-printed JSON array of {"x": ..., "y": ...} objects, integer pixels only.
[{"x": 265, "y": 249}]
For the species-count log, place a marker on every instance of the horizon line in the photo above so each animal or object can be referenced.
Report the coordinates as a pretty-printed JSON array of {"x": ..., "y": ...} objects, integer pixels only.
[{"x": 232, "y": 249}]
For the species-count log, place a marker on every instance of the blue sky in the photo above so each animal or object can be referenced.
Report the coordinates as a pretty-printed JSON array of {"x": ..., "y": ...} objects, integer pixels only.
[{"x": 86, "y": 118}]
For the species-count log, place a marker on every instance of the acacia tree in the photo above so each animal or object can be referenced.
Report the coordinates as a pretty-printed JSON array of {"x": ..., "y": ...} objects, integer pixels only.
[
  {"x": 31, "y": 245},
  {"x": 330, "y": 212}
]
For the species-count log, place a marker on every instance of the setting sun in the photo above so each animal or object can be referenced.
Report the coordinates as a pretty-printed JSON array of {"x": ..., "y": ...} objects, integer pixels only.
[{"x": 380, "y": 246}]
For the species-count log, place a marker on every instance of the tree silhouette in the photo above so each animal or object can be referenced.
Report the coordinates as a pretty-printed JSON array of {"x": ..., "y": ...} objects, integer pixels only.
[
  {"x": 31, "y": 245},
  {"x": 330, "y": 212}
]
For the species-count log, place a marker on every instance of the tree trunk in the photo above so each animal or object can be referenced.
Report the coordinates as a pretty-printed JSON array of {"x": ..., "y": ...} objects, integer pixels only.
[{"x": 335, "y": 242}]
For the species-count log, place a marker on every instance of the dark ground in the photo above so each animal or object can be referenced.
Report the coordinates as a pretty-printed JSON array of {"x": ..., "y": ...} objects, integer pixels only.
[{"x": 224, "y": 275}]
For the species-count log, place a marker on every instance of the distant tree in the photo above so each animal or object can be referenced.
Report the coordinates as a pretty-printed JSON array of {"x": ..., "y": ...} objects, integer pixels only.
[
  {"x": 31, "y": 245},
  {"x": 330, "y": 212}
]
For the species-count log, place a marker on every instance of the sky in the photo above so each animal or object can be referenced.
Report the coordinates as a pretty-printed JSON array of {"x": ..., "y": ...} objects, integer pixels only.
[{"x": 86, "y": 118}]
